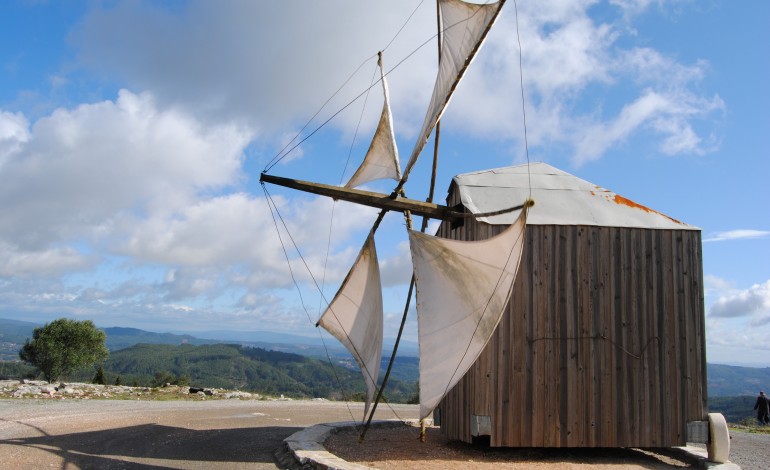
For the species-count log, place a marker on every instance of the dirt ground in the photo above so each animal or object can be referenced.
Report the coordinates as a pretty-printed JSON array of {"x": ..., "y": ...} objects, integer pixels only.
[
  {"x": 233, "y": 434},
  {"x": 399, "y": 447}
]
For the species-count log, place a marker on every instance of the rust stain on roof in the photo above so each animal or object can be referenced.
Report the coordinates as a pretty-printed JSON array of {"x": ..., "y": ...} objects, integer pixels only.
[{"x": 618, "y": 199}]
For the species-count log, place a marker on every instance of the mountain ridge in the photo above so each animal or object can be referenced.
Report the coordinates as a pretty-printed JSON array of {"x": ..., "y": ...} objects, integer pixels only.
[{"x": 723, "y": 380}]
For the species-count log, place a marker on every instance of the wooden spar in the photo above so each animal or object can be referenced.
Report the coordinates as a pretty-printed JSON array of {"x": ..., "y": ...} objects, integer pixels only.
[{"x": 367, "y": 198}]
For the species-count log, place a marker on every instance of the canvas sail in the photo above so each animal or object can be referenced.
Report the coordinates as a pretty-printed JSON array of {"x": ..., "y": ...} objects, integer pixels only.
[
  {"x": 465, "y": 27},
  {"x": 381, "y": 160},
  {"x": 463, "y": 287},
  {"x": 354, "y": 316}
]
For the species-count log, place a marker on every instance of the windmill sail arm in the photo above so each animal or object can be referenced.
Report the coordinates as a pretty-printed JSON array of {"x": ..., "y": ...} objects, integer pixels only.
[
  {"x": 463, "y": 288},
  {"x": 367, "y": 198},
  {"x": 455, "y": 59}
]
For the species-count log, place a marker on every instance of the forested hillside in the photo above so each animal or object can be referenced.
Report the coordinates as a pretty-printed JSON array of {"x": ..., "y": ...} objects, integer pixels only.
[
  {"x": 243, "y": 368},
  {"x": 210, "y": 363},
  {"x": 731, "y": 381}
]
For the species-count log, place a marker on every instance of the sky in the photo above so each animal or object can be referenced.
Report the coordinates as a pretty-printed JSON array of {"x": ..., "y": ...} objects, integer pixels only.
[{"x": 133, "y": 134}]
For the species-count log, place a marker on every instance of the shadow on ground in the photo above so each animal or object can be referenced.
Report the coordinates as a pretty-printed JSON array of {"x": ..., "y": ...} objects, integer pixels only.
[{"x": 133, "y": 446}]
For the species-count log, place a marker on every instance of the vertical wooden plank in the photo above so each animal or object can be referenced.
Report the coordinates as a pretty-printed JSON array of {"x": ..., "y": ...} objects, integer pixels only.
[
  {"x": 539, "y": 314},
  {"x": 619, "y": 345},
  {"x": 647, "y": 337},
  {"x": 528, "y": 356},
  {"x": 570, "y": 333},
  {"x": 551, "y": 341},
  {"x": 672, "y": 377},
  {"x": 502, "y": 420},
  {"x": 609, "y": 353},
  {"x": 697, "y": 279},
  {"x": 683, "y": 363},
  {"x": 598, "y": 343},
  {"x": 694, "y": 312},
  {"x": 633, "y": 332},
  {"x": 661, "y": 327},
  {"x": 586, "y": 350},
  {"x": 652, "y": 377}
]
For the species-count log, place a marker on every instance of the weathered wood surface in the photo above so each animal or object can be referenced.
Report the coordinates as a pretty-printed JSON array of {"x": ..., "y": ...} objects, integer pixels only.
[
  {"x": 602, "y": 345},
  {"x": 367, "y": 198}
]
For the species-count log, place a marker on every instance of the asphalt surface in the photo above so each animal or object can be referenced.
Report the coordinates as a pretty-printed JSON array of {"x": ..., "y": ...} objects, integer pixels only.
[
  {"x": 211, "y": 434},
  {"x": 123, "y": 434}
]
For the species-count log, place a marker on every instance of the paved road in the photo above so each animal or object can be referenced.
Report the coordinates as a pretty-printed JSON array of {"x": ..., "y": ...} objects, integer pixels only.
[
  {"x": 109, "y": 434},
  {"x": 212, "y": 434}
]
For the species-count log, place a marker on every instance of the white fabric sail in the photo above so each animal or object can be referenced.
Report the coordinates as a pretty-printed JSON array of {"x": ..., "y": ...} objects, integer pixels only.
[
  {"x": 381, "y": 160},
  {"x": 354, "y": 316},
  {"x": 463, "y": 287},
  {"x": 465, "y": 26}
]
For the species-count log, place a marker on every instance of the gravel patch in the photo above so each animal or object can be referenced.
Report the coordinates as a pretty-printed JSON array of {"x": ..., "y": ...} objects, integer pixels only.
[{"x": 750, "y": 451}]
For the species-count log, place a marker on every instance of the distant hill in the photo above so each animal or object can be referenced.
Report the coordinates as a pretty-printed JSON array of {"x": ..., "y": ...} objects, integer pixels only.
[
  {"x": 244, "y": 368},
  {"x": 732, "y": 381},
  {"x": 723, "y": 380},
  {"x": 16, "y": 332},
  {"x": 121, "y": 338},
  {"x": 735, "y": 409}
]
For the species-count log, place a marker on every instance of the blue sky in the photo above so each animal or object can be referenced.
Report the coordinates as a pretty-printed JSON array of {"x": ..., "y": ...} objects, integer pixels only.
[{"x": 132, "y": 135}]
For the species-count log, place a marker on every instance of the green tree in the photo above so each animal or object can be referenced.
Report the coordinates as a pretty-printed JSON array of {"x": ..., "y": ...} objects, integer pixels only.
[
  {"x": 63, "y": 346},
  {"x": 99, "y": 377}
]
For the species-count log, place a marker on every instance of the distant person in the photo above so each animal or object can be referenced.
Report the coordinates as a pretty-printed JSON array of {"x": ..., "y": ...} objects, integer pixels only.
[{"x": 763, "y": 409}]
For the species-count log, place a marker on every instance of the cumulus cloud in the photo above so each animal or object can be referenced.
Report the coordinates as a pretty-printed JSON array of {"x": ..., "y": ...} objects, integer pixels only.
[
  {"x": 51, "y": 261},
  {"x": 397, "y": 270},
  {"x": 80, "y": 169},
  {"x": 752, "y": 302},
  {"x": 14, "y": 132},
  {"x": 155, "y": 178},
  {"x": 237, "y": 60},
  {"x": 261, "y": 62}
]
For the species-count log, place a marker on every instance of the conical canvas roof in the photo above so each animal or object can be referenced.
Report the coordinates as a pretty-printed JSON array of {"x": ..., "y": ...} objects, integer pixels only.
[{"x": 560, "y": 199}]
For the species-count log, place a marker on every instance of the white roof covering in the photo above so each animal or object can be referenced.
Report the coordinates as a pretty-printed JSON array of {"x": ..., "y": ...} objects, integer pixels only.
[{"x": 560, "y": 199}]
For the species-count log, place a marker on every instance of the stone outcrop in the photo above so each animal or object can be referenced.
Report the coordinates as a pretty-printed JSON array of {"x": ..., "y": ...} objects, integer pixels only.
[{"x": 42, "y": 389}]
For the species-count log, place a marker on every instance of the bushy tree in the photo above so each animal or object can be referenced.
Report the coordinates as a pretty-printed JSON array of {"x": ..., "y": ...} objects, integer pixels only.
[
  {"x": 64, "y": 346},
  {"x": 99, "y": 376}
]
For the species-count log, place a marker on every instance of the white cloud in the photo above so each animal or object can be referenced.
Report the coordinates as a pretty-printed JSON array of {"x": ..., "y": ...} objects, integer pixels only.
[
  {"x": 753, "y": 302},
  {"x": 14, "y": 132},
  {"x": 397, "y": 271},
  {"x": 241, "y": 61},
  {"x": 51, "y": 261},
  {"x": 737, "y": 344},
  {"x": 716, "y": 286},
  {"x": 81, "y": 169},
  {"x": 737, "y": 235},
  {"x": 156, "y": 177},
  {"x": 262, "y": 62}
]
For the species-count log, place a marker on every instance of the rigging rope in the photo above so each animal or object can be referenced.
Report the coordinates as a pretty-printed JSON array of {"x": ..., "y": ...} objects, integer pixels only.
[
  {"x": 271, "y": 205},
  {"x": 527, "y": 204},
  {"x": 342, "y": 176},
  {"x": 521, "y": 85},
  {"x": 489, "y": 301},
  {"x": 274, "y": 207},
  {"x": 283, "y": 153}
]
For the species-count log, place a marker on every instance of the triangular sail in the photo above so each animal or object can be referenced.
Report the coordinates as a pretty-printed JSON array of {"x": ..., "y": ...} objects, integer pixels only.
[
  {"x": 463, "y": 287},
  {"x": 381, "y": 160},
  {"x": 465, "y": 27},
  {"x": 354, "y": 316}
]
